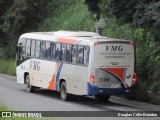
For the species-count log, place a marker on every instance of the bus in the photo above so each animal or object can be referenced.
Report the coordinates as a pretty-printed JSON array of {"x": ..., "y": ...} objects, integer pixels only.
[{"x": 76, "y": 63}]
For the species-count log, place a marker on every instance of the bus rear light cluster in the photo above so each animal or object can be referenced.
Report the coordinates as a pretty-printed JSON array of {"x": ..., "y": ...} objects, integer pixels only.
[
  {"x": 131, "y": 43},
  {"x": 92, "y": 78},
  {"x": 96, "y": 43},
  {"x": 134, "y": 80}
]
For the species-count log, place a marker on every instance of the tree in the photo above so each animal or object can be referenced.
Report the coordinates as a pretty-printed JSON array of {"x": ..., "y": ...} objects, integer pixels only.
[
  {"x": 138, "y": 13},
  {"x": 4, "y": 5},
  {"x": 19, "y": 16},
  {"x": 93, "y": 5}
]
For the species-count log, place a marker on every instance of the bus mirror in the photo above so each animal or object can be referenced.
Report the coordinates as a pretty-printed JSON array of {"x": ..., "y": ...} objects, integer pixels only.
[
  {"x": 20, "y": 50},
  {"x": 16, "y": 49}
]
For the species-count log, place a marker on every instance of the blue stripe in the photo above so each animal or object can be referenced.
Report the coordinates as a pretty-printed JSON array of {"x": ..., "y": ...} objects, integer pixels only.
[
  {"x": 57, "y": 75},
  {"x": 94, "y": 90}
]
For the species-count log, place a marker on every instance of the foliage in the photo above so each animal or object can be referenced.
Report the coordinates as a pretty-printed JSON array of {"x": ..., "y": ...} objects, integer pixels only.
[
  {"x": 114, "y": 30},
  {"x": 8, "y": 67},
  {"x": 144, "y": 13},
  {"x": 140, "y": 93},
  {"x": 155, "y": 87},
  {"x": 24, "y": 13},
  {"x": 93, "y": 5},
  {"x": 20, "y": 16},
  {"x": 74, "y": 17}
]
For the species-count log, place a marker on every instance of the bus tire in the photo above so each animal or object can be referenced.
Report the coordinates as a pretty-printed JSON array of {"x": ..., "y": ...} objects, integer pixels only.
[
  {"x": 102, "y": 97},
  {"x": 29, "y": 87},
  {"x": 63, "y": 91}
]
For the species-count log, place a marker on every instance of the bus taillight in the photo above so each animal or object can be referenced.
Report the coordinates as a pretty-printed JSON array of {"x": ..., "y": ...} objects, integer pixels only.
[
  {"x": 92, "y": 78},
  {"x": 134, "y": 80},
  {"x": 131, "y": 43},
  {"x": 96, "y": 43}
]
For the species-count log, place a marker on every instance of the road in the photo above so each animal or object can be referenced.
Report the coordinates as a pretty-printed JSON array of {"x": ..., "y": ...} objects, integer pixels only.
[{"x": 15, "y": 97}]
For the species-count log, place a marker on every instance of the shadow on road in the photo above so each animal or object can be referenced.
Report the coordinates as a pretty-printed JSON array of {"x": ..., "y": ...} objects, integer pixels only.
[{"x": 81, "y": 100}]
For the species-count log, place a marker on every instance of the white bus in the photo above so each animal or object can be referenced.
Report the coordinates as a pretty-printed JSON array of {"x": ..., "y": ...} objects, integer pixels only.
[{"x": 76, "y": 63}]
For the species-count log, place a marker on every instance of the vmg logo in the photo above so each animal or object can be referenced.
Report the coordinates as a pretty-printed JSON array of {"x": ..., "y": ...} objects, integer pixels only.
[{"x": 114, "y": 48}]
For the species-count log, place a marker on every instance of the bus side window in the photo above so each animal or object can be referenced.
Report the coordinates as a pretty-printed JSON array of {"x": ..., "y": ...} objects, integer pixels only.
[
  {"x": 74, "y": 54},
  {"x": 80, "y": 55},
  {"x": 68, "y": 53},
  {"x": 28, "y": 47},
  {"x": 52, "y": 51},
  {"x": 86, "y": 55},
  {"x": 63, "y": 52},
  {"x": 58, "y": 51},
  {"x": 33, "y": 48},
  {"x": 43, "y": 50},
  {"x": 37, "y": 49},
  {"x": 48, "y": 50},
  {"x": 24, "y": 48}
]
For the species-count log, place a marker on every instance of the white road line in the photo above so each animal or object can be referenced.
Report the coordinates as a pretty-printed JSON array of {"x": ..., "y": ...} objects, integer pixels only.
[
  {"x": 87, "y": 108},
  {"x": 57, "y": 102},
  {"x": 122, "y": 108},
  {"x": 157, "y": 118}
]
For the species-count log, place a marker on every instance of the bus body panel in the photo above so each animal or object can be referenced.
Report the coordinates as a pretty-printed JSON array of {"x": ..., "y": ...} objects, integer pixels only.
[
  {"x": 113, "y": 68},
  {"x": 43, "y": 72},
  {"x": 76, "y": 77},
  {"x": 40, "y": 72}
]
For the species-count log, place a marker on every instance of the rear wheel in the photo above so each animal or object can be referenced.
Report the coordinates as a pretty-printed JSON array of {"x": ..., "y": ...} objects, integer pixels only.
[
  {"x": 29, "y": 87},
  {"x": 102, "y": 97},
  {"x": 63, "y": 91}
]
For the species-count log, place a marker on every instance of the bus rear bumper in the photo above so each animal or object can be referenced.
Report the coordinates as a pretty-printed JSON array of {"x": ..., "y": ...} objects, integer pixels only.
[{"x": 93, "y": 90}]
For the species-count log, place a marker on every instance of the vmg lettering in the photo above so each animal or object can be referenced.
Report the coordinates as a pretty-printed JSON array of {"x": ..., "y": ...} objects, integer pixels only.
[
  {"x": 35, "y": 65},
  {"x": 114, "y": 48}
]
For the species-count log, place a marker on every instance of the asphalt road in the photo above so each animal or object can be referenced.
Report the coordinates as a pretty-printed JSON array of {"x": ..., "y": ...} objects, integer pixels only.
[{"x": 15, "y": 97}]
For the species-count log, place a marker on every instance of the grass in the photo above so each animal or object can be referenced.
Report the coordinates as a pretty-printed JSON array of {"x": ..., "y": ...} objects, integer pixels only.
[
  {"x": 3, "y": 108},
  {"x": 8, "y": 67}
]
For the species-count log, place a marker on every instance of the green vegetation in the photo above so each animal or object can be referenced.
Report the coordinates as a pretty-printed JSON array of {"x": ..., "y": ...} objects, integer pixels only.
[
  {"x": 141, "y": 93},
  {"x": 18, "y": 16},
  {"x": 4, "y": 108},
  {"x": 8, "y": 67},
  {"x": 75, "y": 17}
]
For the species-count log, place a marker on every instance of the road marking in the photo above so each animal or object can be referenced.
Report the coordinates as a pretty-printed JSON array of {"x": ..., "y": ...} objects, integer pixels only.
[
  {"x": 121, "y": 108},
  {"x": 157, "y": 118},
  {"x": 87, "y": 108},
  {"x": 57, "y": 102}
]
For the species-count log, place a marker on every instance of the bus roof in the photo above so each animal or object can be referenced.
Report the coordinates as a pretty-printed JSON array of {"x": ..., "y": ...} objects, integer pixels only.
[{"x": 62, "y": 36}]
